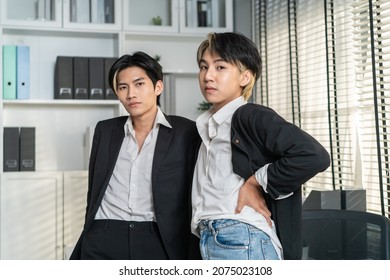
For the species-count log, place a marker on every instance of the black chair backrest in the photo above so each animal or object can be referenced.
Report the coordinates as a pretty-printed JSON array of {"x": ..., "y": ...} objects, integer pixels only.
[{"x": 345, "y": 234}]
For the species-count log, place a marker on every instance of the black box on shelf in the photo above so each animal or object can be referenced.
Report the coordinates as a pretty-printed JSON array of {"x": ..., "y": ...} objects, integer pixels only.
[
  {"x": 11, "y": 149},
  {"x": 96, "y": 77},
  {"x": 108, "y": 92},
  {"x": 80, "y": 77},
  {"x": 27, "y": 149},
  {"x": 63, "y": 78}
]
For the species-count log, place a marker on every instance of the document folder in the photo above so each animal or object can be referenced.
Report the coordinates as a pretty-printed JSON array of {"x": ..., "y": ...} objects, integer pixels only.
[
  {"x": 27, "y": 149},
  {"x": 11, "y": 149},
  {"x": 108, "y": 92},
  {"x": 96, "y": 77},
  {"x": 22, "y": 72},
  {"x": 109, "y": 11},
  {"x": 9, "y": 72},
  {"x": 63, "y": 78},
  {"x": 80, "y": 77}
]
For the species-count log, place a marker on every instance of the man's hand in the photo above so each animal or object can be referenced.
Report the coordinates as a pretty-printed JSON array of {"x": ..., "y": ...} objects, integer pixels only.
[{"x": 251, "y": 195}]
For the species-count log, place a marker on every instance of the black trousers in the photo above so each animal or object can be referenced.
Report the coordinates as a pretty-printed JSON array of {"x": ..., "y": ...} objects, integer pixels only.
[{"x": 123, "y": 240}]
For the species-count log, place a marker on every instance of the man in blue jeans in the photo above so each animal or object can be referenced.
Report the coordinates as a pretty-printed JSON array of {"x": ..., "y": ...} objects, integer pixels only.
[{"x": 248, "y": 154}]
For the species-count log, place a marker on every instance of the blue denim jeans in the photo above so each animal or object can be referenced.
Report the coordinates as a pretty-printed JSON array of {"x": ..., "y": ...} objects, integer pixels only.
[{"x": 226, "y": 239}]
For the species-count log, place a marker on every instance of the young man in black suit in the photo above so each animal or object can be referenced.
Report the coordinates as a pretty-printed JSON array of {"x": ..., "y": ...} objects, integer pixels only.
[{"x": 140, "y": 173}]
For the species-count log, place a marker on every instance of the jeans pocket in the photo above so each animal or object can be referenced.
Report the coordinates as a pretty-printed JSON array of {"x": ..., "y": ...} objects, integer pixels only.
[
  {"x": 269, "y": 252},
  {"x": 232, "y": 237}
]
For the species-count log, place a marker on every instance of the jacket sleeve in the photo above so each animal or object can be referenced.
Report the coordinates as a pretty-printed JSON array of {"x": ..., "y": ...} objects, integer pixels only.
[{"x": 294, "y": 155}]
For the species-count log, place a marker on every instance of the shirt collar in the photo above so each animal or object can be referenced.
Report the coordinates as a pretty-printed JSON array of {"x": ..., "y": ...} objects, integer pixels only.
[
  {"x": 160, "y": 119},
  {"x": 228, "y": 110},
  {"x": 222, "y": 114}
]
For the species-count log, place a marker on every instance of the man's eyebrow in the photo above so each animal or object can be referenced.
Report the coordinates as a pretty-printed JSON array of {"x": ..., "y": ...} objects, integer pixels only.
[
  {"x": 138, "y": 79},
  {"x": 214, "y": 61}
]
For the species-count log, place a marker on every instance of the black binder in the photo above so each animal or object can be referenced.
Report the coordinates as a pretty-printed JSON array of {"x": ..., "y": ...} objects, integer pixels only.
[
  {"x": 27, "y": 149},
  {"x": 108, "y": 92},
  {"x": 109, "y": 11},
  {"x": 202, "y": 13},
  {"x": 11, "y": 149},
  {"x": 63, "y": 78},
  {"x": 80, "y": 77},
  {"x": 96, "y": 77}
]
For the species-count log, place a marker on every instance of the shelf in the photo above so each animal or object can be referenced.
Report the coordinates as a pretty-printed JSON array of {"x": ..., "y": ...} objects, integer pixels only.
[
  {"x": 31, "y": 30},
  {"x": 68, "y": 102}
]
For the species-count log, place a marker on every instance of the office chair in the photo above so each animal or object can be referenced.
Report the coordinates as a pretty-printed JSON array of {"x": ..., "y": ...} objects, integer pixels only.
[{"x": 334, "y": 234}]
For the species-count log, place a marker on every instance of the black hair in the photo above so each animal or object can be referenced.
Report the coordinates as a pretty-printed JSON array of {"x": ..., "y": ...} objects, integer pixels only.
[
  {"x": 237, "y": 49},
  {"x": 140, "y": 59}
]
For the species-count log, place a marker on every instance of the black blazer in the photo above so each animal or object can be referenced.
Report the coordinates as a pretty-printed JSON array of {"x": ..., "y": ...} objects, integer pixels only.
[
  {"x": 172, "y": 172},
  {"x": 260, "y": 136}
]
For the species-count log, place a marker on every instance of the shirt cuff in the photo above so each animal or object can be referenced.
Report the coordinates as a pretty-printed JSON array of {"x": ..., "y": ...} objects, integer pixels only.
[{"x": 262, "y": 178}]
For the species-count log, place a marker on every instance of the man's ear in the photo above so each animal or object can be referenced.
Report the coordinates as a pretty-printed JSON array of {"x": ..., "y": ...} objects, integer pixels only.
[
  {"x": 158, "y": 89},
  {"x": 246, "y": 77}
]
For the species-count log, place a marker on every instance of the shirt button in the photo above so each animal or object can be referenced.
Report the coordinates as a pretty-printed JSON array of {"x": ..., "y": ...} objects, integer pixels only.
[
  {"x": 131, "y": 225},
  {"x": 237, "y": 141}
]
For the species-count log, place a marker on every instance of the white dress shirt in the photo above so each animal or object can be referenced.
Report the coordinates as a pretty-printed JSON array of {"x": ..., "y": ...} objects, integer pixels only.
[
  {"x": 215, "y": 185},
  {"x": 129, "y": 192}
]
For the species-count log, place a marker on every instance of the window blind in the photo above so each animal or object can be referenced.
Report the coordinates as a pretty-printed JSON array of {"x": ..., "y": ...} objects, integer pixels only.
[
  {"x": 326, "y": 69},
  {"x": 372, "y": 41}
]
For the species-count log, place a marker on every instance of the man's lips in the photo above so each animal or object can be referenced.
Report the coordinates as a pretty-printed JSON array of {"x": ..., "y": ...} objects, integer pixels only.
[
  {"x": 210, "y": 89},
  {"x": 133, "y": 104}
]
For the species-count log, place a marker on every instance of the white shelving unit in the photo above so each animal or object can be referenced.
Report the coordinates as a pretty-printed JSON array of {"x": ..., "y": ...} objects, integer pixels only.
[
  {"x": 54, "y": 28},
  {"x": 31, "y": 216},
  {"x": 178, "y": 16}
]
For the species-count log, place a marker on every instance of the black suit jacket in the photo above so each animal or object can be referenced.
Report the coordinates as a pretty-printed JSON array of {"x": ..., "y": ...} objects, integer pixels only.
[
  {"x": 260, "y": 136},
  {"x": 172, "y": 172}
]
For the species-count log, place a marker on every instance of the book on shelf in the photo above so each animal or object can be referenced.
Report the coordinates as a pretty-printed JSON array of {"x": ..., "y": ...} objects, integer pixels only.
[
  {"x": 80, "y": 77},
  {"x": 108, "y": 92},
  {"x": 19, "y": 149},
  {"x": 63, "y": 78},
  {"x": 109, "y": 11},
  {"x": 27, "y": 149},
  {"x": 202, "y": 13},
  {"x": 11, "y": 149},
  {"x": 44, "y": 10},
  {"x": 80, "y": 11},
  {"x": 96, "y": 77},
  {"x": 22, "y": 72},
  {"x": 9, "y": 72},
  {"x": 16, "y": 72}
]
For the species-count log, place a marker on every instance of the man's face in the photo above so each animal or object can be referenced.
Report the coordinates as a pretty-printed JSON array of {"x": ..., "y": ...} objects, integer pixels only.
[
  {"x": 220, "y": 81},
  {"x": 136, "y": 92}
]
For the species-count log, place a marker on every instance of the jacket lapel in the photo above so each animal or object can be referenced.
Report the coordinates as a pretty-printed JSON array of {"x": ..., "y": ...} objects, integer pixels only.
[
  {"x": 117, "y": 136},
  {"x": 164, "y": 139}
]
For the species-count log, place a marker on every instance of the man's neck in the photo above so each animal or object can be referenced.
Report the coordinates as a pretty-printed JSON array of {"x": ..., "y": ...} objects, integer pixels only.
[{"x": 143, "y": 125}]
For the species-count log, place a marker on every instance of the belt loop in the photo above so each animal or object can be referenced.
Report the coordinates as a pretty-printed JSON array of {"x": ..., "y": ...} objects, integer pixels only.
[
  {"x": 210, "y": 225},
  {"x": 151, "y": 227}
]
